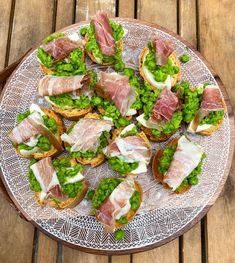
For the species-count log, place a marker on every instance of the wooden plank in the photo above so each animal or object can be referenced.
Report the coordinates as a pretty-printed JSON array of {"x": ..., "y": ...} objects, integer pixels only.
[
  {"x": 168, "y": 253},
  {"x": 16, "y": 236},
  {"x": 73, "y": 256},
  {"x": 191, "y": 247},
  {"x": 32, "y": 22},
  {"x": 5, "y": 7},
  {"x": 85, "y": 9},
  {"x": 121, "y": 259},
  {"x": 126, "y": 8},
  {"x": 217, "y": 38},
  {"x": 47, "y": 249},
  {"x": 65, "y": 11},
  {"x": 162, "y": 12},
  {"x": 187, "y": 20}
]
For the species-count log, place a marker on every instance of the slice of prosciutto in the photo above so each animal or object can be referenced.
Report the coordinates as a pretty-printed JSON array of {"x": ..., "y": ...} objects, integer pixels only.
[
  {"x": 86, "y": 133},
  {"x": 163, "y": 50},
  {"x": 117, "y": 204},
  {"x": 167, "y": 103},
  {"x": 45, "y": 174},
  {"x": 104, "y": 34},
  {"x": 116, "y": 87},
  {"x": 186, "y": 158},
  {"x": 131, "y": 148},
  {"x": 76, "y": 85},
  {"x": 61, "y": 47}
]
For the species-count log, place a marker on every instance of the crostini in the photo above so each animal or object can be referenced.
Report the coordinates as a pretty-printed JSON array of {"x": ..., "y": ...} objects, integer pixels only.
[
  {"x": 178, "y": 165},
  {"x": 116, "y": 201},
  {"x": 62, "y": 55},
  {"x": 129, "y": 152},
  {"x": 37, "y": 134},
  {"x": 159, "y": 65},
  {"x": 58, "y": 183},
  {"x": 70, "y": 96},
  {"x": 162, "y": 114},
  {"x": 103, "y": 41},
  {"x": 86, "y": 139},
  {"x": 209, "y": 117},
  {"x": 117, "y": 96}
]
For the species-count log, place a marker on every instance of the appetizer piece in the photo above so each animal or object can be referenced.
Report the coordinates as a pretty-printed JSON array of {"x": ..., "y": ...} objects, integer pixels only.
[
  {"x": 161, "y": 118},
  {"x": 58, "y": 183},
  {"x": 210, "y": 116},
  {"x": 179, "y": 164},
  {"x": 129, "y": 152},
  {"x": 37, "y": 134},
  {"x": 116, "y": 201},
  {"x": 104, "y": 41},
  {"x": 118, "y": 96},
  {"x": 86, "y": 139},
  {"x": 69, "y": 96},
  {"x": 62, "y": 55},
  {"x": 159, "y": 65}
]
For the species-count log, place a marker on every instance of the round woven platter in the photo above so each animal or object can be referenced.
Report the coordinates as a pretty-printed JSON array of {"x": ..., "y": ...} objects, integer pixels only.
[{"x": 163, "y": 215}]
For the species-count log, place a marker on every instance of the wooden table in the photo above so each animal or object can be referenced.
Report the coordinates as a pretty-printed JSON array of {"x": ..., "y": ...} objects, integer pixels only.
[{"x": 209, "y": 26}]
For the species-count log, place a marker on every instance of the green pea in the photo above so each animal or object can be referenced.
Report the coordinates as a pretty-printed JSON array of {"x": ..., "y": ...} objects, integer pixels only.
[
  {"x": 83, "y": 31},
  {"x": 185, "y": 58},
  {"x": 119, "y": 234},
  {"x": 123, "y": 121},
  {"x": 129, "y": 72},
  {"x": 21, "y": 116},
  {"x": 122, "y": 220}
]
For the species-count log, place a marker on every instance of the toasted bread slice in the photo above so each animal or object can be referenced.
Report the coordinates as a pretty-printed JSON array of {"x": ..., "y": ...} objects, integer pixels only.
[
  {"x": 173, "y": 57},
  {"x": 157, "y": 175},
  {"x": 68, "y": 203},
  {"x": 213, "y": 128},
  {"x": 53, "y": 151},
  {"x": 49, "y": 71},
  {"x": 91, "y": 56},
  {"x": 100, "y": 158},
  {"x": 72, "y": 115},
  {"x": 130, "y": 215},
  {"x": 150, "y": 135},
  {"x": 142, "y": 135}
]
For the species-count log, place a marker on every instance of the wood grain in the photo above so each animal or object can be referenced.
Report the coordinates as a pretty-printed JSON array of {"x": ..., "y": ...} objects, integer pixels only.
[
  {"x": 168, "y": 253},
  {"x": 5, "y": 7},
  {"x": 16, "y": 236},
  {"x": 126, "y": 8},
  {"x": 32, "y": 22},
  {"x": 187, "y": 20},
  {"x": 85, "y": 9},
  {"x": 217, "y": 41},
  {"x": 47, "y": 249},
  {"x": 162, "y": 12},
  {"x": 65, "y": 11}
]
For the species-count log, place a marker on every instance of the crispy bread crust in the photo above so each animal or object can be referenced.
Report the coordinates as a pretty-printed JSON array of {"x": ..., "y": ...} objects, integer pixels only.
[
  {"x": 174, "y": 79},
  {"x": 100, "y": 158},
  {"x": 131, "y": 212},
  {"x": 91, "y": 56},
  {"x": 70, "y": 202},
  {"x": 53, "y": 151},
  {"x": 157, "y": 175}
]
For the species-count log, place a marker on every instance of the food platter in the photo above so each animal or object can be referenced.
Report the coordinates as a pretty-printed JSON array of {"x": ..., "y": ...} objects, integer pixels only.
[{"x": 163, "y": 215}]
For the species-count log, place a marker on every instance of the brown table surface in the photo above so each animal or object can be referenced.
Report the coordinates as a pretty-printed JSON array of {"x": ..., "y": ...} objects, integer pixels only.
[{"x": 209, "y": 25}]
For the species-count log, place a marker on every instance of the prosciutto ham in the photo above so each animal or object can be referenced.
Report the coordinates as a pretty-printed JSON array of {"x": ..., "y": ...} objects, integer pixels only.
[
  {"x": 116, "y": 87},
  {"x": 117, "y": 204},
  {"x": 167, "y": 103},
  {"x": 163, "y": 50},
  {"x": 45, "y": 174},
  {"x": 132, "y": 148},
  {"x": 104, "y": 34},
  {"x": 76, "y": 85},
  {"x": 86, "y": 133},
  {"x": 186, "y": 158},
  {"x": 61, "y": 47},
  {"x": 26, "y": 129}
]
